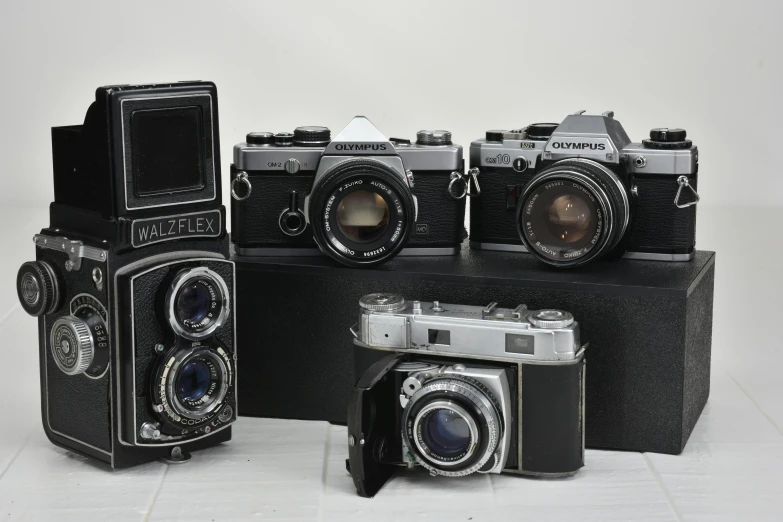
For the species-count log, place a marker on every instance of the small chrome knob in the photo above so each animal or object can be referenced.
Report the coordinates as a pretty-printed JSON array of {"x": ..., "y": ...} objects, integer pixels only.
[
  {"x": 551, "y": 319},
  {"x": 433, "y": 137},
  {"x": 149, "y": 431},
  {"x": 72, "y": 346},
  {"x": 382, "y": 302},
  {"x": 292, "y": 166}
]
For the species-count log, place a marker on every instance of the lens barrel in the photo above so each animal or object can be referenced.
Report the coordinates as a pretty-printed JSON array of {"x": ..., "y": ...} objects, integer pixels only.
[
  {"x": 196, "y": 303},
  {"x": 453, "y": 426},
  {"x": 573, "y": 212},
  {"x": 361, "y": 211}
]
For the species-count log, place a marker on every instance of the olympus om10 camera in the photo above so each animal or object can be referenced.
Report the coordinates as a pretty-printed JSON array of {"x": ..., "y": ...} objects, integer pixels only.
[
  {"x": 467, "y": 389},
  {"x": 132, "y": 285},
  {"x": 359, "y": 197},
  {"x": 578, "y": 191}
]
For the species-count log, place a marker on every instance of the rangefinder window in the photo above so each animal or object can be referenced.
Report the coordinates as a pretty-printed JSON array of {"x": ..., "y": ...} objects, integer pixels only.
[{"x": 168, "y": 150}]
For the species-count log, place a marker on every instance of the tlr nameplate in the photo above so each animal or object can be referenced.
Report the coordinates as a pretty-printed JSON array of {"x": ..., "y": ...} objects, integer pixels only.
[{"x": 168, "y": 228}]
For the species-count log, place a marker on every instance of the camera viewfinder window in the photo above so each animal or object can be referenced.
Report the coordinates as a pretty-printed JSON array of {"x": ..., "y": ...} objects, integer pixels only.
[
  {"x": 168, "y": 153},
  {"x": 521, "y": 344},
  {"x": 439, "y": 337}
]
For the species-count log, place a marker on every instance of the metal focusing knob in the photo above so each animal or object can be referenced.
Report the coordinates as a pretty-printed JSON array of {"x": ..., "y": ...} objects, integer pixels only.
[
  {"x": 551, "y": 319},
  {"x": 382, "y": 302},
  {"x": 433, "y": 137},
  {"x": 37, "y": 289},
  {"x": 72, "y": 345}
]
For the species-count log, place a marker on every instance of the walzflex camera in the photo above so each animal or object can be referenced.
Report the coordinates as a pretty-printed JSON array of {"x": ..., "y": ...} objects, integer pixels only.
[
  {"x": 578, "y": 191},
  {"x": 132, "y": 285},
  {"x": 360, "y": 197},
  {"x": 467, "y": 389}
]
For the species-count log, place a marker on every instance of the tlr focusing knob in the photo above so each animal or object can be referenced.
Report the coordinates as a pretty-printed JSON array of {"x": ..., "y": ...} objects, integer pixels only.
[
  {"x": 72, "y": 345},
  {"x": 36, "y": 286}
]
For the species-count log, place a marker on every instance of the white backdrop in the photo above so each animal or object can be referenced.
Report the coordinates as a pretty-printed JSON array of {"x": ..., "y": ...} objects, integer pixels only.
[{"x": 711, "y": 67}]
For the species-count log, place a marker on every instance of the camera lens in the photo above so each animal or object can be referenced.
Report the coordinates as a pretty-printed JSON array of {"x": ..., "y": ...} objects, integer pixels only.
[
  {"x": 363, "y": 216},
  {"x": 197, "y": 303},
  {"x": 361, "y": 212},
  {"x": 446, "y": 433},
  {"x": 193, "y": 302},
  {"x": 194, "y": 381},
  {"x": 452, "y": 426},
  {"x": 193, "y": 384},
  {"x": 573, "y": 212}
]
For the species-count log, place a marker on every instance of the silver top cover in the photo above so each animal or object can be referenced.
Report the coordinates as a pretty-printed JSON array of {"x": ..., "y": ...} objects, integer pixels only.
[{"x": 486, "y": 333}]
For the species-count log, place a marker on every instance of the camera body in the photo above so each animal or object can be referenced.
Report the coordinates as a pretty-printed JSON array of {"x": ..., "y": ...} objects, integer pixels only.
[
  {"x": 580, "y": 190},
  {"x": 132, "y": 285},
  {"x": 467, "y": 389},
  {"x": 360, "y": 197}
]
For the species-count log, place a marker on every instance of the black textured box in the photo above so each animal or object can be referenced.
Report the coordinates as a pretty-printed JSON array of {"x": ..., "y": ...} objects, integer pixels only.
[{"x": 649, "y": 325}]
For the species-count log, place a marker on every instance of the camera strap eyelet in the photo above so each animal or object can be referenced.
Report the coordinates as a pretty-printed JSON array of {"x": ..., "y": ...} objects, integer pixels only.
[
  {"x": 683, "y": 181},
  {"x": 241, "y": 178},
  {"x": 465, "y": 182}
]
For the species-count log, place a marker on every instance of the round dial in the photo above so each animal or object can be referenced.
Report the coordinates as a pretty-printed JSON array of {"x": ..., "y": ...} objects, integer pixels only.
[
  {"x": 551, "y": 319},
  {"x": 667, "y": 139},
  {"x": 382, "y": 302},
  {"x": 284, "y": 139},
  {"x": 312, "y": 136},
  {"x": 72, "y": 345},
  {"x": 260, "y": 138},
  {"x": 433, "y": 137},
  {"x": 36, "y": 286}
]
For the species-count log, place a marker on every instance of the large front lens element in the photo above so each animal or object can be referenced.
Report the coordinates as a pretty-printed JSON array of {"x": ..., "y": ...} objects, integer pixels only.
[
  {"x": 197, "y": 303},
  {"x": 194, "y": 381},
  {"x": 363, "y": 216},
  {"x": 570, "y": 218},
  {"x": 193, "y": 302},
  {"x": 573, "y": 212},
  {"x": 446, "y": 433}
]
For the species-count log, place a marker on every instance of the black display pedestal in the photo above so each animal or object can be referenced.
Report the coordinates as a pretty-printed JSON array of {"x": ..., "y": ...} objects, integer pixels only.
[{"x": 649, "y": 325}]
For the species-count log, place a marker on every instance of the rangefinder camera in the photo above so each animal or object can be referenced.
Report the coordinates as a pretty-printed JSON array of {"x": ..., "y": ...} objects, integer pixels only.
[
  {"x": 360, "y": 198},
  {"x": 131, "y": 284},
  {"x": 581, "y": 190},
  {"x": 466, "y": 389}
]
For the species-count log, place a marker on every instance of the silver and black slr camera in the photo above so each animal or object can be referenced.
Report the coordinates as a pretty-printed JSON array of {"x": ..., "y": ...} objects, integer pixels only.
[
  {"x": 360, "y": 197},
  {"x": 467, "y": 389},
  {"x": 132, "y": 284},
  {"x": 581, "y": 190}
]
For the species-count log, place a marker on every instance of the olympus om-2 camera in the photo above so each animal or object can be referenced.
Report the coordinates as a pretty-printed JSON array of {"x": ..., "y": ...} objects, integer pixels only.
[
  {"x": 132, "y": 285},
  {"x": 467, "y": 389},
  {"x": 359, "y": 197},
  {"x": 581, "y": 190}
]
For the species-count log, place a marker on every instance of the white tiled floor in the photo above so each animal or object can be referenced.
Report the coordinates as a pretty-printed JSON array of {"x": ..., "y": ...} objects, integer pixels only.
[{"x": 277, "y": 469}]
